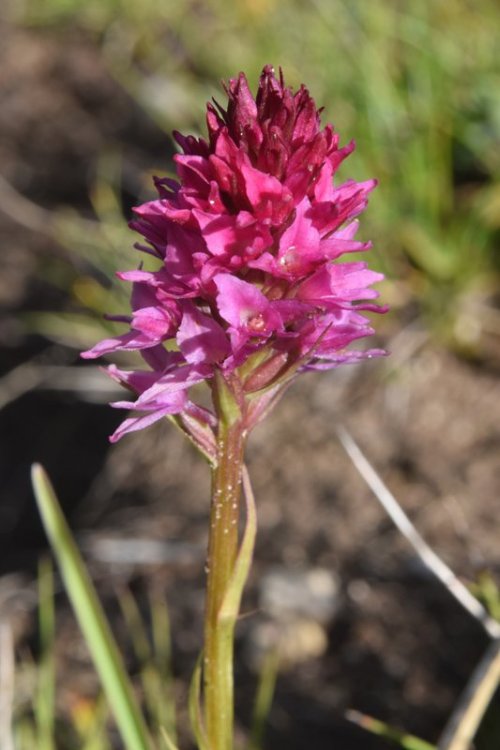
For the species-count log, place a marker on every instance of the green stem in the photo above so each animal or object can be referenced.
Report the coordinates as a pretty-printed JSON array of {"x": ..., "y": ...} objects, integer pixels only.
[{"x": 222, "y": 552}]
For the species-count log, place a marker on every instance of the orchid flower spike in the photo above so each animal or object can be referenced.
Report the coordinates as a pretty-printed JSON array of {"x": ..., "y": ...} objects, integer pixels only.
[{"x": 251, "y": 285}]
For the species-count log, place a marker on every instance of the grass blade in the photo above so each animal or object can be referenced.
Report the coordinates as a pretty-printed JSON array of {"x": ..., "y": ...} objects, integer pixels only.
[
  {"x": 169, "y": 744},
  {"x": 264, "y": 699},
  {"x": 380, "y": 728},
  {"x": 91, "y": 617},
  {"x": 45, "y": 695},
  {"x": 162, "y": 647},
  {"x": 195, "y": 712},
  {"x": 155, "y": 670}
]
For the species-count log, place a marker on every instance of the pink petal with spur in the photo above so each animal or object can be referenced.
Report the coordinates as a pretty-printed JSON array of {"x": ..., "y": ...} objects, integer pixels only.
[{"x": 245, "y": 307}]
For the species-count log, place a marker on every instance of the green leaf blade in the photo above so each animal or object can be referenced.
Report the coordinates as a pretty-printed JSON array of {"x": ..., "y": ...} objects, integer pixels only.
[{"x": 91, "y": 617}]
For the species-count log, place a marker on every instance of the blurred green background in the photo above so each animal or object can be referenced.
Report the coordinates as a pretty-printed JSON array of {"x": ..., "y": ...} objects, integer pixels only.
[{"x": 416, "y": 84}]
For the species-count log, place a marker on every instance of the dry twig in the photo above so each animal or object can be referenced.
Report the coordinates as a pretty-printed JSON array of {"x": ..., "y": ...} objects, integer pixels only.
[
  {"x": 6, "y": 685},
  {"x": 428, "y": 557},
  {"x": 466, "y": 718},
  {"x": 473, "y": 703}
]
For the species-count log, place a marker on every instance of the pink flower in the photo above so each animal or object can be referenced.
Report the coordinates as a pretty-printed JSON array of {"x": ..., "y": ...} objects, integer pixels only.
[{"x": 248, "y": 240}]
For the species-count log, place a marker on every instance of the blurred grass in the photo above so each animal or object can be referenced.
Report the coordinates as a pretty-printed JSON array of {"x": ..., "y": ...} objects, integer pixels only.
[
  {"x": 46, "y": 718},
  {"x": 417, "y": 84}
]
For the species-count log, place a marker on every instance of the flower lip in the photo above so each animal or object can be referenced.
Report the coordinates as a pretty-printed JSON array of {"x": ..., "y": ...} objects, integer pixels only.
[{"x": 245, "y": 307}]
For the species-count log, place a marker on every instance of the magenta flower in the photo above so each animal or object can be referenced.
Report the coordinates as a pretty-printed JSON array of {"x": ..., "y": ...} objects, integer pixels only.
[{"x": 248, "y": 239}]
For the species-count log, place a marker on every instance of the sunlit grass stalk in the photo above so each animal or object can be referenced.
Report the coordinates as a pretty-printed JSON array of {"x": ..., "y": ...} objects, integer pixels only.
[
  {"x": 154, "y": 659},
  {"x": 162, "y": 646},
  {"x": 46, "y": 675},
  {"x": 402, "y": 739},
  {"x": 473, "y": 704},
  {"x": 91, "y": 617},
  {"x": 25, "y": 735}
]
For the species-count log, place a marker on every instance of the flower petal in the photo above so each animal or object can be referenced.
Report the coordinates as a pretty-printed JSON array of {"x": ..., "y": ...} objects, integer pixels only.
[
  {"x": 201, "y": 338},
  {"x": 139, "y": 423}
]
